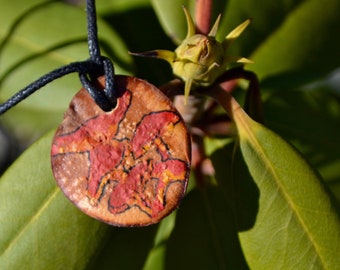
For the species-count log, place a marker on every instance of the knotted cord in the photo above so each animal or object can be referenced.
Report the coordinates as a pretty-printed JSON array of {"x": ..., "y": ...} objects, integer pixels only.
[{"x": 88, "y": 70}]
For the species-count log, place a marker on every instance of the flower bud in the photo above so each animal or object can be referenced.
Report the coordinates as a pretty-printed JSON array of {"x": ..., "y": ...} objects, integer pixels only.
[{"x": 200, "y": 59}]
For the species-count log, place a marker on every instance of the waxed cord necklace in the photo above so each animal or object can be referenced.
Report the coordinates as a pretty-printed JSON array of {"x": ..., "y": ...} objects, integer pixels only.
[{"x": 88, "y": 71}]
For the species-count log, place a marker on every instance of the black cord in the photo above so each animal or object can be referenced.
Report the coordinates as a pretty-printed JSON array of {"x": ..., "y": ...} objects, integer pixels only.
[
  {"x": 42, "y": 81},
  {"x": 89, "y": 71},
  {"x": 106, "y": 99},
  {"x": 92, "y": 31}
]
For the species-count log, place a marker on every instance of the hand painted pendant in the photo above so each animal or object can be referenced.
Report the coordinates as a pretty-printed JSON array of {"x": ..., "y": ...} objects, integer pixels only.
[{"x": 126, "y": 167}]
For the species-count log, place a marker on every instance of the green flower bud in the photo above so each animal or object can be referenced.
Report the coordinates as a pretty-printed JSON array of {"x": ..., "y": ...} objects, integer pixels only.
[{"x": 199, "y": 60}]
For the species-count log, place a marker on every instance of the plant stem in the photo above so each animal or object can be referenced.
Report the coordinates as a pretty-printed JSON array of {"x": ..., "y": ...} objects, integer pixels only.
[
  {"x": 253, "y": 104},
  {"x": 203, "y": 16},
  {"x": 229, "y": 102}
]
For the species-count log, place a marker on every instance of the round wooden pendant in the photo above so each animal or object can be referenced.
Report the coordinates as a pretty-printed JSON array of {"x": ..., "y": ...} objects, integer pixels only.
[{"x": 126, "y": 167}]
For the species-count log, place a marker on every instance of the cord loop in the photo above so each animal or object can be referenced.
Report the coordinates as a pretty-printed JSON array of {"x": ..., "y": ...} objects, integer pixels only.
[
  {"x": 104, "y": 98},
  {"x": 88, "y": 71}
]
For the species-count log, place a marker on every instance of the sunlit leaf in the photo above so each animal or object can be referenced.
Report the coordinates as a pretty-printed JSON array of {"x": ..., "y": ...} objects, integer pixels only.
[
  {"x": 40, "y": 38},
  {"x": 156, "y": 256},
  {"x": 291, "y": 42},
  {"x": 310, "y": 119},
  {"x": 304, "y": 47},
  {"x": 266, "y": 17},
  {"x": 39, "y": 227},
  {"x": 113, "y": 6},
  {"x": 171, "y": 17},
  {"x": 147, "y": 32},
  {"x": 296, "y": 218}
]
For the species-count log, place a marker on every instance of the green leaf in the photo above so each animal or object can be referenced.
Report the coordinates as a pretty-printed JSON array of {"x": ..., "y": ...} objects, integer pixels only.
[
  {"x": 309, "y": 119},
  {"x": 296, "y": 227},
  {"x": 291, "y": 42},
  {"x": 126, "y": 249},
  {"x": 156, "y": 256},
  {"x": 147, "y": 33},
  {"x": 239, "y": 189},
  {"x": 266, "y": 19},
  {"x": 302, "y": 48},
  {"x": 204, "y": 236},
  {"x": 171, "y": 17},
  {"x": 114, "y": 6},
  {"x": 40, "y": 38},
  {"x": 39, "y": 227}
]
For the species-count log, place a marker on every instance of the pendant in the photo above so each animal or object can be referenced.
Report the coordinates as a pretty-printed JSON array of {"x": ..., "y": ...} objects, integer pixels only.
[{"x": 126, "y": 167}]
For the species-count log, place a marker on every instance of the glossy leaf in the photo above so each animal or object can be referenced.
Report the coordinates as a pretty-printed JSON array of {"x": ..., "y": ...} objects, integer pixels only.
[
  {"x": 126, "y": 248},
  {"x": 146, "y": 33},
  {"x": 156, "y": 256},
  {"x": 310, "y": 119},
  {"x": 38, "y": 41},
  {"x": 39, "y": 227},
  {"x": 114, "y": 6},
  {"x": 296, "y": 217},
  {"x": 171, "y": 17},
  {"x": 266, "y": 16},
  {"x": 302, "y": 48},
  {"x": 290, "y": 42}
]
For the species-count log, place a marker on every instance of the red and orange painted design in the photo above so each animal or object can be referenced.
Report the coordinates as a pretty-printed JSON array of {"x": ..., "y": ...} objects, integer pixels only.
[{"x": 126, "y": 167}]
